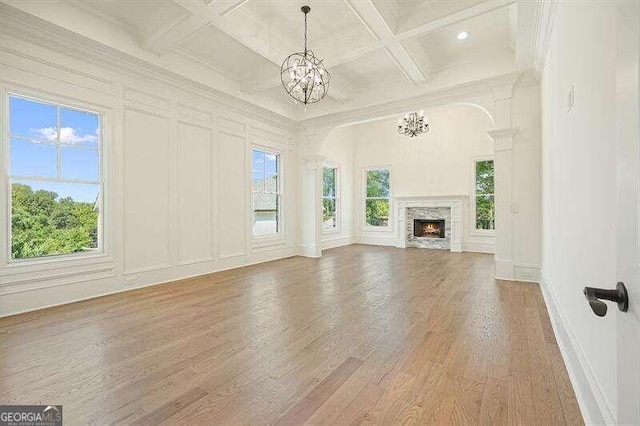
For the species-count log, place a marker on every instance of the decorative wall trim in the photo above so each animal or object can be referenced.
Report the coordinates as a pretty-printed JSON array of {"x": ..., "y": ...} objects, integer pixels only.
[
  {"x": 145, "y": 98},
  {"x": 588, "y": 392}
]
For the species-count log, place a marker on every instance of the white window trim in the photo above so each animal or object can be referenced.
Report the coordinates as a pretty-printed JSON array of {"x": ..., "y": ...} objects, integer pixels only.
[
  {"x": 472, "y": 200},
  {"x": 366, "y": 227},
  {"x": 266, "y": 240},
  {"x": 99, "y": 256},
  {"x": 338, "y": 197}
]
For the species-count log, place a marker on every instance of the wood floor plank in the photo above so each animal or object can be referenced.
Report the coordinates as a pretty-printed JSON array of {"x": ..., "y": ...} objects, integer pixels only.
[
  {"x": 362, "y": 335},
  {"x": 301, "y": 412},
  {"x": 171, "y": 407}
]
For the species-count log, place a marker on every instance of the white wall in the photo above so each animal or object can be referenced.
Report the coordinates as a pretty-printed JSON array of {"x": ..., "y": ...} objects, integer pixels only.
[
  {"x": 526, "y": 234},
  {"x": 178, "y": 191},
  {"x": 579, "y": 196},
  {"x": 437, "y": 163},
  {"x": 338, "y": 151}
]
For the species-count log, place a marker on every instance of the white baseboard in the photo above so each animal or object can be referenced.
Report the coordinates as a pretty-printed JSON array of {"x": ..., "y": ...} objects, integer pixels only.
[
  {"x": 385, "y": 240},
  {"x": 330, "y": 242},
  {"x": 593, "y": 405},
  {"x": 476, "y": 247},
  {"x": 309, "y": 251},
  {"x": 528, "y": 273},
  {"x": 504, "y": 270}
]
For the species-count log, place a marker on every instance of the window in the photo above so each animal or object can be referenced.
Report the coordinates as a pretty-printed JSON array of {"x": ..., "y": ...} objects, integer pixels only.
[
  {"x": 330, "y": 198},
  {"x": 378, "y": 197},
  {"x": 484, "y": 198},
  {"x": 267, "y": 201},
  {"x": 55, "y": 179}
]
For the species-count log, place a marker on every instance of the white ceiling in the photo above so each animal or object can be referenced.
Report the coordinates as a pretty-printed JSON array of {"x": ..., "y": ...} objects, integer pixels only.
[{"x": 366, "y": 44}]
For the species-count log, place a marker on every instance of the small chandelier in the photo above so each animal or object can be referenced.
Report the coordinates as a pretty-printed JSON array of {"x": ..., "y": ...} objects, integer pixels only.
[
  {"x": 303, "y": 75},
  {"x": 413, "y": 124}
]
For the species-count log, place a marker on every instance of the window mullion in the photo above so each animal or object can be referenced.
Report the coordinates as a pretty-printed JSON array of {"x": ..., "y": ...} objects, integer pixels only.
[{"x": 58, "y": 147}]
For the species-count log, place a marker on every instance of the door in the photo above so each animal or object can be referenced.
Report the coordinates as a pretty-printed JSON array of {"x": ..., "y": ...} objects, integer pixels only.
[{"x": 628, "y": 212}]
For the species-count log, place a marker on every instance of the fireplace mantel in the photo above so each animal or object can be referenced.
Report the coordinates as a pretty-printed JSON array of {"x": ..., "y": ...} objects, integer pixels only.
[{"x": 454, "y": 202}]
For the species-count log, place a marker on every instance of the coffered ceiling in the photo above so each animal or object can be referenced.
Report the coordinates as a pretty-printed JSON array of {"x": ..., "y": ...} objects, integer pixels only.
[{"x": 376, "y": 50}]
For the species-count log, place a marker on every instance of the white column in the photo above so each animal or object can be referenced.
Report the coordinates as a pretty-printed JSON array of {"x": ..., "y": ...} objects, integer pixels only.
[
  {"x": 310, "y": 192},
  {"x": 503, "y": 138},
  {"x": 503, "y": 165},
  {"x": 312, "y": 206}
]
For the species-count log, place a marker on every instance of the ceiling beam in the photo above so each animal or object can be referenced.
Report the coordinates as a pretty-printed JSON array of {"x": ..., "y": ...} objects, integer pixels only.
[
  {"x": 454, "y": 18},
  {"x": 202, "y": 15},
  {"x": 371, "y": 18},
  {"x": 256, "y": 84}
]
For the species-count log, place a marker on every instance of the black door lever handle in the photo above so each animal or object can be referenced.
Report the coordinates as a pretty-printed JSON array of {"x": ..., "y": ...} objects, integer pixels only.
[{"x": 619, "y": 295}]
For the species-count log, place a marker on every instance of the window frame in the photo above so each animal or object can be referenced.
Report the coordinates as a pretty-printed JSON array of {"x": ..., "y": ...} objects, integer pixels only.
[
  {"x": 338, "y": 179},
  {"x": 100, "y": 254},
  {"x": 280, "y": 235},
  {"x": 474, "y": 230},
  {"x": 365, "y": 225}
]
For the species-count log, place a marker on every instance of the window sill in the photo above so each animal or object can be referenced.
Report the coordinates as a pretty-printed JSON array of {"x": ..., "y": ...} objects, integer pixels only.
[
  {"x": 377, "y": 229},
  {"x": 54, "y": 262},
  {"x": 25, "y": 275}
]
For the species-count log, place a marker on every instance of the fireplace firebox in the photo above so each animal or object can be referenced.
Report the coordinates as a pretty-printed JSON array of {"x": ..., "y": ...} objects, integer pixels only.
[{"x": 428, "y": 228}]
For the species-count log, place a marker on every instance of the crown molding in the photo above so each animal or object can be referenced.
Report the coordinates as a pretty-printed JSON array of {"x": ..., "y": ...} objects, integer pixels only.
[
  {"x": 31, "y": 29},
  {"x": 544, "y": 18},
  {"x": 479, "y": 92},
  {"x": 535, "y": 26}
]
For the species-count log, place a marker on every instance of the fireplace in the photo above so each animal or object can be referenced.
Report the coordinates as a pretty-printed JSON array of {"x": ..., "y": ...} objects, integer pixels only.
[{"x": 428, "y": 228}]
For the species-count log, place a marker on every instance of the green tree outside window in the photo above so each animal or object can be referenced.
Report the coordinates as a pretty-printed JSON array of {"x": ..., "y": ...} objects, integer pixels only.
[
  {"x": 484, "y": 195},
  {"x": 329, "y": 198},
  {"x": 377, "y": 203}
]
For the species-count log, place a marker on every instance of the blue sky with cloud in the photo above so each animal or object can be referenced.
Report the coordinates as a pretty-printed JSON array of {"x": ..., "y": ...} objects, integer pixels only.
[{"x": 34, "y": 130}]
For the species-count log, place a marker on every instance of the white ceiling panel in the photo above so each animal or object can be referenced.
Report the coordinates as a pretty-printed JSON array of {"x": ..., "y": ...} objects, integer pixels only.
[
  {"x": 220, "y": 50},
  {"x": 403, "y": 15},
  {"x": 140, "y": 17},
  {"x": 488, "y": 33},
  {"x": 374, "y": 69},
  {"x": 327, "y": 19}
]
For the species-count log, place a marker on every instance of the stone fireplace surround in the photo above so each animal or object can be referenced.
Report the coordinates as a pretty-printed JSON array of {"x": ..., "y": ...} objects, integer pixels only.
[{"x": 448, "y": 207}]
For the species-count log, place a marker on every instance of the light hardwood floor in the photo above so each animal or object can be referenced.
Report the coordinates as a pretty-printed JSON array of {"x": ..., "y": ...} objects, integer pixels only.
[{"x": 364, "y": 335}]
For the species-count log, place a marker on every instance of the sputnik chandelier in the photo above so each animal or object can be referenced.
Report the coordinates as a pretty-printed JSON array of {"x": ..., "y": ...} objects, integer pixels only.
[
  {"x": 303, "y": 75},
  {"x": 412, "y": 124}
]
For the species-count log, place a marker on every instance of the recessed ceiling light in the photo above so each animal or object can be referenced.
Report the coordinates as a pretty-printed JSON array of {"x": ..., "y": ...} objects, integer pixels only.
[{"x": 462, "y": 35}]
